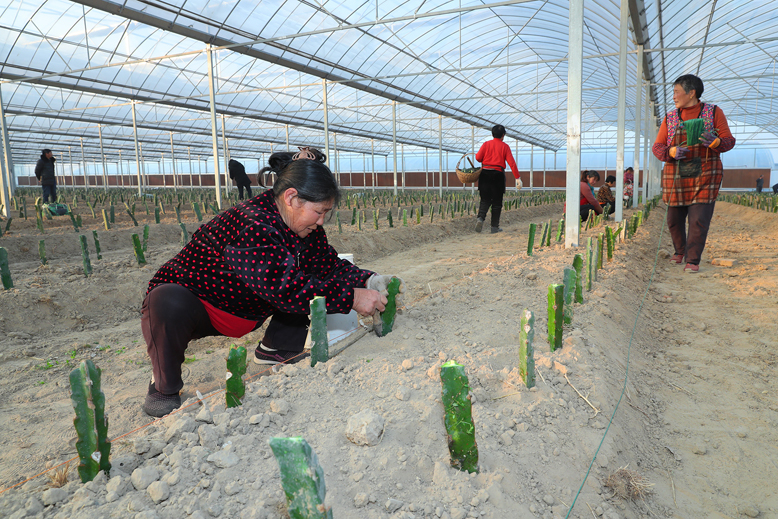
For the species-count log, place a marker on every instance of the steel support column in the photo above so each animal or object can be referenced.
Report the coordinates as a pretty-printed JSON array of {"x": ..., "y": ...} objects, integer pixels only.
[
  {"x": 531, "y": 165},
  {"x": 638, "y": 124},
  {"x": 173, "y": 162},
  {"x": 214, "y": 135},
  {"x": 102, "y": 156},
  {"x": 83, "y": 164},
  {"x": 137, "y": 148},
  {"x": 226, "y": 148},
  {"x": 372, "y": 160},
  {"x": 574, "y": 101},
  {"x": 622, "y": 110},
  {"x": 440, "y": 151},
  {"x": 394, "y": 143},
  {"x": 326, "y": 121},
  {"x": 646, "y": 136},
  {"x": 7, "y": 173}
]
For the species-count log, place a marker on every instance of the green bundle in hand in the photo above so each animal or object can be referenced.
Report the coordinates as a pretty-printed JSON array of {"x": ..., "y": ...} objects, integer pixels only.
[{"x": 694, "y": 128}]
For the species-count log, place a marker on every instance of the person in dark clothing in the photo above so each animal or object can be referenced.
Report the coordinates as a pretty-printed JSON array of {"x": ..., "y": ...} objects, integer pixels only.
[
  {"x": 759, "y": 183},
  {"x": 239, "y": 176},
  {"x": 267, "y": 256},
  {"x": 605, "y": 195},
  {"x": 491, "y": 183},
  {"x": 775, "y": 189},
  {"x": 44, "y": 172}
]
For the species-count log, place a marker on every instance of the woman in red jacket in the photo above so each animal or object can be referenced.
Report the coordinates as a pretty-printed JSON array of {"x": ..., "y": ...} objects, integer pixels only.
[
  {"x": 491, "y": 183},
  {"x": 266, "y": 257},
  {"x": 693, "y": 171},
  {"x": 588, "y": 202}
]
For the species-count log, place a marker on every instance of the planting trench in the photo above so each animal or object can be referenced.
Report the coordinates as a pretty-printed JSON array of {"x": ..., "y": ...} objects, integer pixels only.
[{"x": 697, "y": 419}]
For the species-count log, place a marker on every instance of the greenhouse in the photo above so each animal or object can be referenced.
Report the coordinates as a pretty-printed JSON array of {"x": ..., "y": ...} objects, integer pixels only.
[{"x": 653, "y": 348}]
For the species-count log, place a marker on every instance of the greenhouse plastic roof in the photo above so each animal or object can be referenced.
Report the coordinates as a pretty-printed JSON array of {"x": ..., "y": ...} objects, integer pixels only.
[{"x": 72, "y": 69}]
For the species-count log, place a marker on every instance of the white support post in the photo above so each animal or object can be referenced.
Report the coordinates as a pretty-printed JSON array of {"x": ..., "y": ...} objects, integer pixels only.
[
  {"x": 472, "y": 150},
  {"x": 102, "y": 156},
  {"x": 70, "y": 161},
  {"x": 638, "y": 124},
  {"x": 440, "y": 152},
  {"x": 6, "y": 171},
  {"x": 544, "y": 169},
  {"x": 287, "y": 137},
  {"x": 394, "y": 143},
  {"x": 173, "y": 162},
  {"x": 137, "y": 148},
  {"x": 214, "y": 135},
  {"x": 83, "y": 165},
  {"x": 326, "y": 121},
  {"x": 402, "y": 163},
  {"x": 531, "y": 163},
  {"x": 226, "y": 148},
  {"x": 372, "y": 160},
  {"x": 162, "y": 167},
  {"x": 646, "y": 135},
  {"x": 622, "y": 111},
  {"x": 336, "y": 162},
  {"x": 574, "y": 102}
]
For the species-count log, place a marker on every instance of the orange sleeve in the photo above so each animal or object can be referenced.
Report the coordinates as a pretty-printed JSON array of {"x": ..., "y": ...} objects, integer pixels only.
[
  {"x": 661, "y": 137},
  {"x": 720, "y": 123}
]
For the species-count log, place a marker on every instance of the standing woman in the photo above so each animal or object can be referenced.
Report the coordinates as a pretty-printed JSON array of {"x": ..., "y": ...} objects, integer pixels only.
[
  {"x": 693, "y": 171},
  {"x": 266, "y": 257},
  {"x": 491, "y": 183}
]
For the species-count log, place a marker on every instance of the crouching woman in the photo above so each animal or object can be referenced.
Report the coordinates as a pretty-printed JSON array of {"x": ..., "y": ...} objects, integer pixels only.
[{"x": 268, "y": 256}]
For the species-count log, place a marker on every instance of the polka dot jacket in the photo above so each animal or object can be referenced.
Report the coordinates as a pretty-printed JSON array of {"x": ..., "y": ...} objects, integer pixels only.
[{"x": 247, "y": 262}]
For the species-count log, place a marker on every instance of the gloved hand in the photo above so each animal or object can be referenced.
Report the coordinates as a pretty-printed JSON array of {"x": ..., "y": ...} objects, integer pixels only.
[
  {"x": 679, "y": 153},
  {"x": 710, "y": 140},
  {"x": 519, "y": 184}
]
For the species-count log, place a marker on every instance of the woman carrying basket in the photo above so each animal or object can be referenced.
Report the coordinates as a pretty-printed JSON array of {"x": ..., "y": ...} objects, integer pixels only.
[{"x": 491, "y": 183}]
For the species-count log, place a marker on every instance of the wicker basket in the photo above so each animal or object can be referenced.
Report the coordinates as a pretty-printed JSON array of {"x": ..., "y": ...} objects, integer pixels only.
[{"x": 467, "y": 177}]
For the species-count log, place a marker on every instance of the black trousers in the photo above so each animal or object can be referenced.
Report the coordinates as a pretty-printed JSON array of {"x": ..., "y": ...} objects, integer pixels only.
[
  {"x": 49, "y": 191},
  {"x": 699, "y": 216},
  {"x": 589, "y": 207},
  {"x": 172, "y": 316},
  {"x": 491, "y": 186},
  {"x": 240, "y": 190}
]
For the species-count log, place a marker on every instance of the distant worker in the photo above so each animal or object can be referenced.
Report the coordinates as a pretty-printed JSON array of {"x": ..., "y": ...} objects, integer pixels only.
[
  {"x": 692, "y": 174},
  {"x": 759, "y": 183},
  {"x": 629, "y": 175},
  {"x": 775, "y": 189},
  {"x": 605, "y": 195},
  {"x": 238, "y": 175},
  {"x": 44, "y": 172},
  {"x": 491, "y": 183}
]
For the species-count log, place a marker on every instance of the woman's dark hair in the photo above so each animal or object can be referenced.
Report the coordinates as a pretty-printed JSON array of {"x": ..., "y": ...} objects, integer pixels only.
[
  {"x": 312, "y": 179},
  {"x": 690, "y": 82},
  {"x": 590, "y": 173},
  {"x": 498, "y": 131},
  {"x": 609, "y": 179}
]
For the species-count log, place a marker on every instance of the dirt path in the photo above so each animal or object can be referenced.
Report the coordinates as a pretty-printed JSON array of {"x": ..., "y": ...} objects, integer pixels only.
[{"x": 697, "y": 419}]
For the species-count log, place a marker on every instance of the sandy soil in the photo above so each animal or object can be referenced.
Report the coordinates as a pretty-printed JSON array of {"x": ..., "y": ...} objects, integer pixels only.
[{"x": 697, "y": 419}]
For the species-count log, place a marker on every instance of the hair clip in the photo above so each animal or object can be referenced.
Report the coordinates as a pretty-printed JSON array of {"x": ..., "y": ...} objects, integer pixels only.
[{"x": 304, "y": 153}]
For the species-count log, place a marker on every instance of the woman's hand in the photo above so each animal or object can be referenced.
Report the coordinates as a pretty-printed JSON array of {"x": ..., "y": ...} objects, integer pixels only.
[
  {"x": 679, "y": 153},
  {"x": 710, "y": 140},
  {"x": 366, "y": 301}
]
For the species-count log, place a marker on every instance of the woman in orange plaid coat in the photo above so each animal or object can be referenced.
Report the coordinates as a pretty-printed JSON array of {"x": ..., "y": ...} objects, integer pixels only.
[{"x": 693, "y": 171}]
